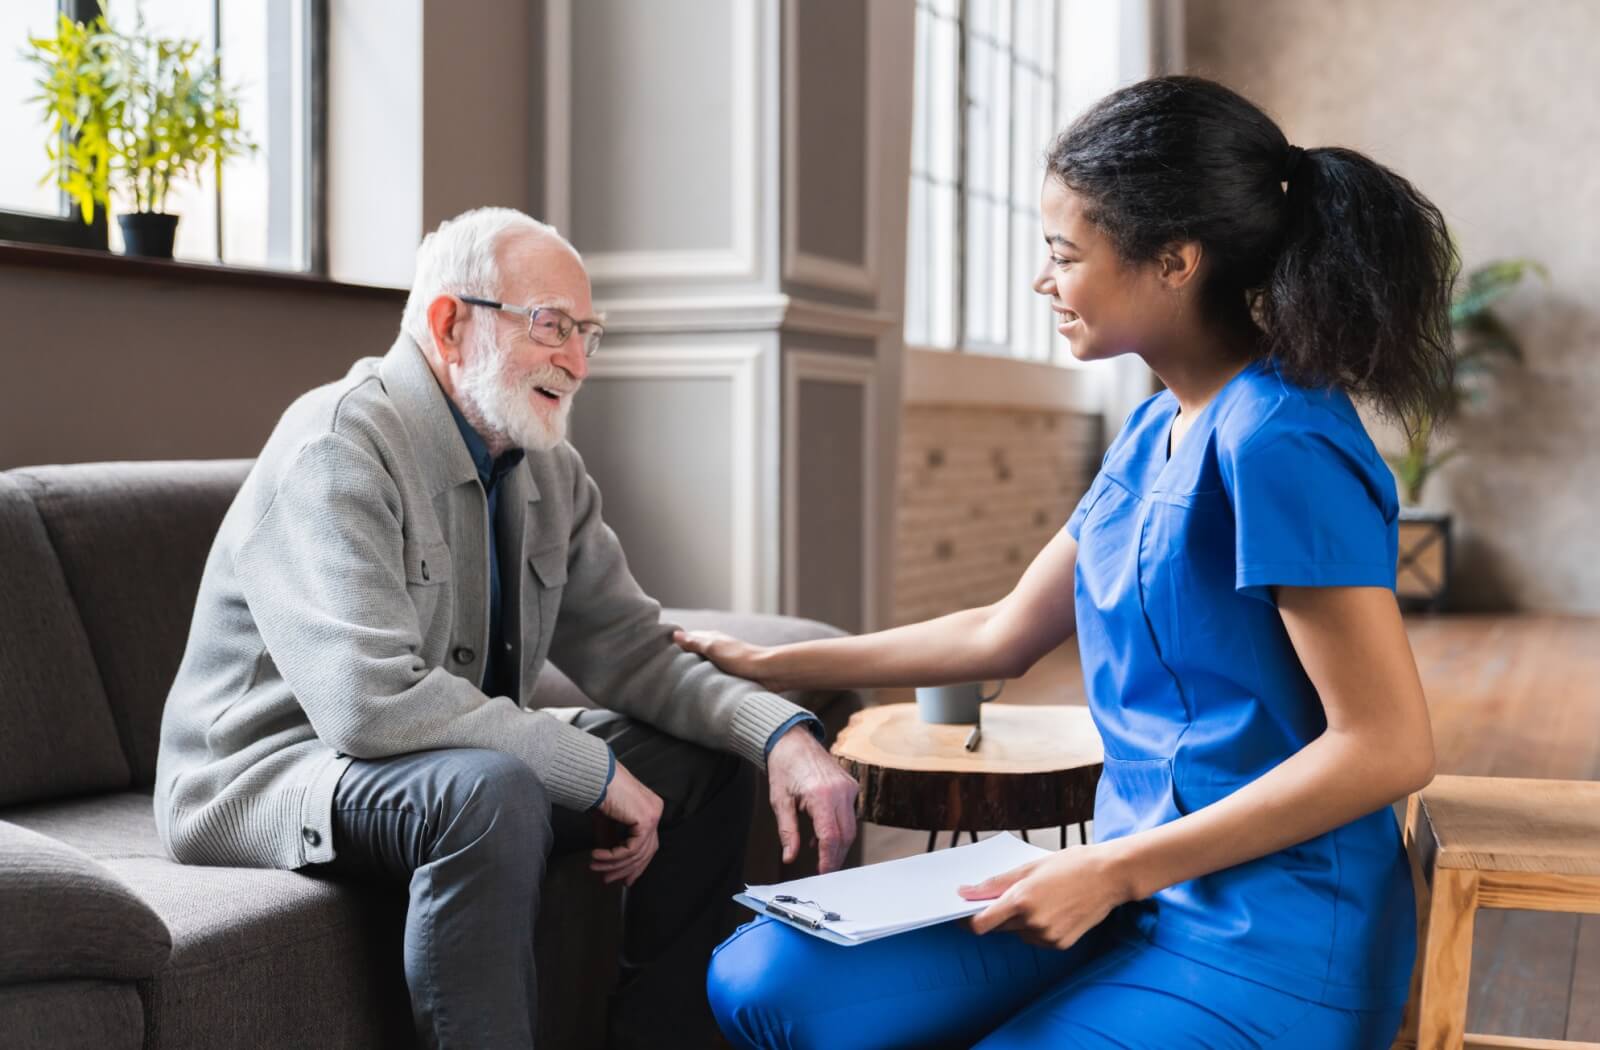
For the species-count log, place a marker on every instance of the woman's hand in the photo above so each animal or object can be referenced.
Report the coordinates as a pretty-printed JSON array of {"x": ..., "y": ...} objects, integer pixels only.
[
  {"x": 1053, "y": 901},
  {"x": 732, "y": 656}
]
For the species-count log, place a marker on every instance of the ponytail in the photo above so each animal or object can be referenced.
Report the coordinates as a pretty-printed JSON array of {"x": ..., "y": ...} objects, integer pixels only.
[{"x": 1359, "y": 294}]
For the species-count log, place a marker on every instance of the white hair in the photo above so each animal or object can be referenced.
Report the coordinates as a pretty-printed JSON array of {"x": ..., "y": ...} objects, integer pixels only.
[{"x": 458, "y": 258}]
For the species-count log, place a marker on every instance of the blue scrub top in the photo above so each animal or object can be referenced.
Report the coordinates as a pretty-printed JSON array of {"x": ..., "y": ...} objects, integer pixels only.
[{"x": 1197, "y": 690}]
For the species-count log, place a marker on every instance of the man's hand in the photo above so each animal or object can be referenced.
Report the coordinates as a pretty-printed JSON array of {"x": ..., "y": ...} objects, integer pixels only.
[
  {"x": 1053, "y": 901},
  {"x": 802, "y": 772},
  {"x": 637, "y": 808}
]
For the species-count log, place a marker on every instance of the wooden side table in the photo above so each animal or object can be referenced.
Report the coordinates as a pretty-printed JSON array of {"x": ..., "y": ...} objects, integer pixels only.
[
  {"x": 1036, "y": 767},
  {"x": 1490, "y": 842}
]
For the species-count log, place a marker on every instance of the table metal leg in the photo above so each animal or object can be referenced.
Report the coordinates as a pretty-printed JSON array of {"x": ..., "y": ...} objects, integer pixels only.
[{"x": 933, "y": 841}]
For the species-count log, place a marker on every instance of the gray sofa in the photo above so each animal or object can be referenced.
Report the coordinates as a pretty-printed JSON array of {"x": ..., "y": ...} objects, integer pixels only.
[{"x": 104, "y": 942}]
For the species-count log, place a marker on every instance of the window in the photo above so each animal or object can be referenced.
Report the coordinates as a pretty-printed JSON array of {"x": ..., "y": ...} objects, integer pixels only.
[
  {"x": 986, "y": 108},
  {"x": 261, "y": 209}
]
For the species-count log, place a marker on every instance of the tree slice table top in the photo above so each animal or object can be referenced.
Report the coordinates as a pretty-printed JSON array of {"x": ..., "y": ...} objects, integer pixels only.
[{"x": 1035, "y": 767}]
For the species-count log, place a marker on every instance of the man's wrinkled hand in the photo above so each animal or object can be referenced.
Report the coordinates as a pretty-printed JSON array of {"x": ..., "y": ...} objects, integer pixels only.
[
  {"x": 805, "y": 777},
  {"x": 638, "y": 810}
]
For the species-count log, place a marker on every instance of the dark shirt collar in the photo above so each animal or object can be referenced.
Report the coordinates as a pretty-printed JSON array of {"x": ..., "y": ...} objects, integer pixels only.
[{"x": 490, "y": 470}]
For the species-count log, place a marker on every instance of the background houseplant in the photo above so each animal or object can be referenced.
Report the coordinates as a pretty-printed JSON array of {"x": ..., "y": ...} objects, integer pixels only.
[
  {"x": 132, "y": 112},
  {"x": 1482, "y": 343}
]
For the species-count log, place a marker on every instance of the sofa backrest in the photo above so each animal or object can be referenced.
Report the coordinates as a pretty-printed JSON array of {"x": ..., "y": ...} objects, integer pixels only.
[
  {"x": 132, "y": 541},
  {"x": 57, "y": 736}
]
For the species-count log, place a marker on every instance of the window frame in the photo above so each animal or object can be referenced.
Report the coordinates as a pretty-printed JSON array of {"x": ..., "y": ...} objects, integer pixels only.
[
  {"x": 70, "y": 231},
  {"x": 962, "y": 342}
]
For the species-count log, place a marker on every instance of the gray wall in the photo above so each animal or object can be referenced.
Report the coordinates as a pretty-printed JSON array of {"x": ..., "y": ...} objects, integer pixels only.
[
  {"x": 652, "y": 89},
  {"x": 831, "y": 509},
  {"x": 831, "y": 136},
  {"x": 618, "y": 426},
  {"x": 717, "y": 139},
  {"x": 1500, "y": 126}
]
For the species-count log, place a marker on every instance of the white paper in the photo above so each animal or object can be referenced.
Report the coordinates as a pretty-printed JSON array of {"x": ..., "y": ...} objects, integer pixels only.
[{"x": 899, "y": 895}]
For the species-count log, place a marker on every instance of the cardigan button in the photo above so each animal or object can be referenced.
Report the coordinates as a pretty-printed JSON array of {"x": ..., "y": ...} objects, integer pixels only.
[
  {"x": 312, "y": 837},
  {"x": 425, "y": 576},
  {"x": 463, "y": 655}
]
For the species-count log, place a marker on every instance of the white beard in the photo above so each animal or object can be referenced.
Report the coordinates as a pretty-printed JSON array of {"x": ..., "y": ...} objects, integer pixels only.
[{"x": 504, "y": 405}]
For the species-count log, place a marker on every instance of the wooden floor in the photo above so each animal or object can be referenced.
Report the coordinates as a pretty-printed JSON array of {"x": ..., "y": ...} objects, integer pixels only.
[{"x": 1510, "y": 696}]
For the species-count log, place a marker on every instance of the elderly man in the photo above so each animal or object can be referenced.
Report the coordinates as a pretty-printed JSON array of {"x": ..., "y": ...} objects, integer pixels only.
[{"x": 412, "y": 543}]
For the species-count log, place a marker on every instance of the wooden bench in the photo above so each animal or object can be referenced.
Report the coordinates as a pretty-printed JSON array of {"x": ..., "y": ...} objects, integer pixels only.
[{"x": 1489, "y": 842}]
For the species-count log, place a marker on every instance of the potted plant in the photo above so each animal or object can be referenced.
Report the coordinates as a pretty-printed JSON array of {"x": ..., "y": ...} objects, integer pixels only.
[
  {"x": 1482, "y": 343},
  {"x": 135, "y": 112}
]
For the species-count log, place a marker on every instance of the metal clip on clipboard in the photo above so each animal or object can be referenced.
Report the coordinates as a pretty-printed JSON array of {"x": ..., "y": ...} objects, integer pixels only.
[{"x": 813, "y": 922}]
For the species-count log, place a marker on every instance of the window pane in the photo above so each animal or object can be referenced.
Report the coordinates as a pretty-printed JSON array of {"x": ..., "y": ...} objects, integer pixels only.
[
  {"x": 941, "y": 99},
  {"x": 991, "y": 19},
  {"x": 987, "y": 273},
  {"x": 264, "y": 195},
  {"x": 941, "y": 266},
  {"x": 917, "y": 263},
  {"x": 22, "y": 126}
]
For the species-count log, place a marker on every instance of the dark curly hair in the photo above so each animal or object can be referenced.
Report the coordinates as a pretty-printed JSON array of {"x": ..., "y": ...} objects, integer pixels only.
[{"x": 1337, "y": 266}]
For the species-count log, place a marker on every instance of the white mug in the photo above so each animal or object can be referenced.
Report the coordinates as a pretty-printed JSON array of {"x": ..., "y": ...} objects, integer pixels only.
[{"x": 953, "y": 704}]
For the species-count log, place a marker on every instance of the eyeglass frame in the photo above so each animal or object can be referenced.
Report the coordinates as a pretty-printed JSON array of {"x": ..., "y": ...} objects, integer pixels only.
[{"x": 532, "y": 313}]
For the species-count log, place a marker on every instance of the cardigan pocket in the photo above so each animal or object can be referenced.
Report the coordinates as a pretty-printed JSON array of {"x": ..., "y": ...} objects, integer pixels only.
[{"x": 427, "y": 578}]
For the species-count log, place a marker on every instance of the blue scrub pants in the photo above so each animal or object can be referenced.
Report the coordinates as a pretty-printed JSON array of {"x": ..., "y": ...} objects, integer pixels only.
[{"x": 943, "y": 986}]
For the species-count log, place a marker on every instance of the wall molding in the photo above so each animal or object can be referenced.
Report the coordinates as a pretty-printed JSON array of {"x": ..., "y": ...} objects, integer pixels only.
[
  {"x": 741, "y": 313},
  {"x": 802, "y": 267},
  {"x": 739, "y": 261},
  {"x": 818, "y": 318},
  {"x": 746, "y": 367},
  {"x": 802, "y": 366}
]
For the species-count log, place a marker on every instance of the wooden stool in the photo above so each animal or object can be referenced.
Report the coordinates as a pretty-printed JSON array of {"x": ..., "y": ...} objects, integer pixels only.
[
  {"x": 1486, "y": 842},
  {"x": 1036, "y": 767}
]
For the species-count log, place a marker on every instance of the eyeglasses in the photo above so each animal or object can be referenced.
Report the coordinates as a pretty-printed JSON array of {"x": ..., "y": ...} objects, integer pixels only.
[{"x": 548, "y": 325}]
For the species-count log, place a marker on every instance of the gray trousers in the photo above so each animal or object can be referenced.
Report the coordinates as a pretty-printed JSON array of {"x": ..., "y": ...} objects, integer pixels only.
[{"x": 469, "y": 832}]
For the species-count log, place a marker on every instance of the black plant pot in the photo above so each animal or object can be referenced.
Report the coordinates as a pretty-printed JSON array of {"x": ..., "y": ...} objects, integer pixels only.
[{"x": 148, "y": 233}]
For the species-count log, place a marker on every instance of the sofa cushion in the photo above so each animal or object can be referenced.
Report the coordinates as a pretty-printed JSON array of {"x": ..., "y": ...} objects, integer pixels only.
[
  {"x": 132, "y": 539},
  {"x": 71, "y": 1015},
  {"x": 66, "y": 916},
  {"x": 247, "y": 941},
  {"x": 56, "y": 733}
]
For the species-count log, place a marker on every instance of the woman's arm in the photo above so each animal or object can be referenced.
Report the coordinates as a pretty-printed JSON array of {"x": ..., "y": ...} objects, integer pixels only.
[
  {"x": 994, "y": 641},
  {"x": 1378, "y": 747}
]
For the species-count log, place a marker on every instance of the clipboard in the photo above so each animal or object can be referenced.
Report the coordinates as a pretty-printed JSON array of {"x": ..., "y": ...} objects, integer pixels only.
[{"x": 891, "y": 897}]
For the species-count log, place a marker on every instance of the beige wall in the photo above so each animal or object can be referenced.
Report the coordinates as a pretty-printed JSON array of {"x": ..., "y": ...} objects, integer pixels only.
[
  {"x": 982, "y": 489},
  {"x": 1493, "y": 109}
]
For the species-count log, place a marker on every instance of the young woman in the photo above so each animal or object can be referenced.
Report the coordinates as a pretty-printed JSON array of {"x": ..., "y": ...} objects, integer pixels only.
[{"x": 1230, "y": 578}]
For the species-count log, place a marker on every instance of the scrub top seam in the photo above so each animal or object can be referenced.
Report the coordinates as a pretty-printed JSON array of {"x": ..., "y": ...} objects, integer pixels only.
[{"x": 1155, "y": 640}]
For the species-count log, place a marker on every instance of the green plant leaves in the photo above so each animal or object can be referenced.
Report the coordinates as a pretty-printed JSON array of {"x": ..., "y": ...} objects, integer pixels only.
[
  {"x": 1481, "y": 337},
  {"x": 143, "y": 111}
]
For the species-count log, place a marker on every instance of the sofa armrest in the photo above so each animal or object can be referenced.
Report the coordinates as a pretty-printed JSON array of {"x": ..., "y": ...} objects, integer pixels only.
[{"x": 65, "y": 915}]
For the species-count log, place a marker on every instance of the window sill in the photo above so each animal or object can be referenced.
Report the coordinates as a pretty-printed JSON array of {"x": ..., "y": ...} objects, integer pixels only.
[
  {"x": 946, "y": 377},
  {"x": 84, "y": 261}
]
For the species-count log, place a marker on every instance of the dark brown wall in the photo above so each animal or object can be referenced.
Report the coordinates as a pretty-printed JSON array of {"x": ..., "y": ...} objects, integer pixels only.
[{"x": 102, "y": 366}]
